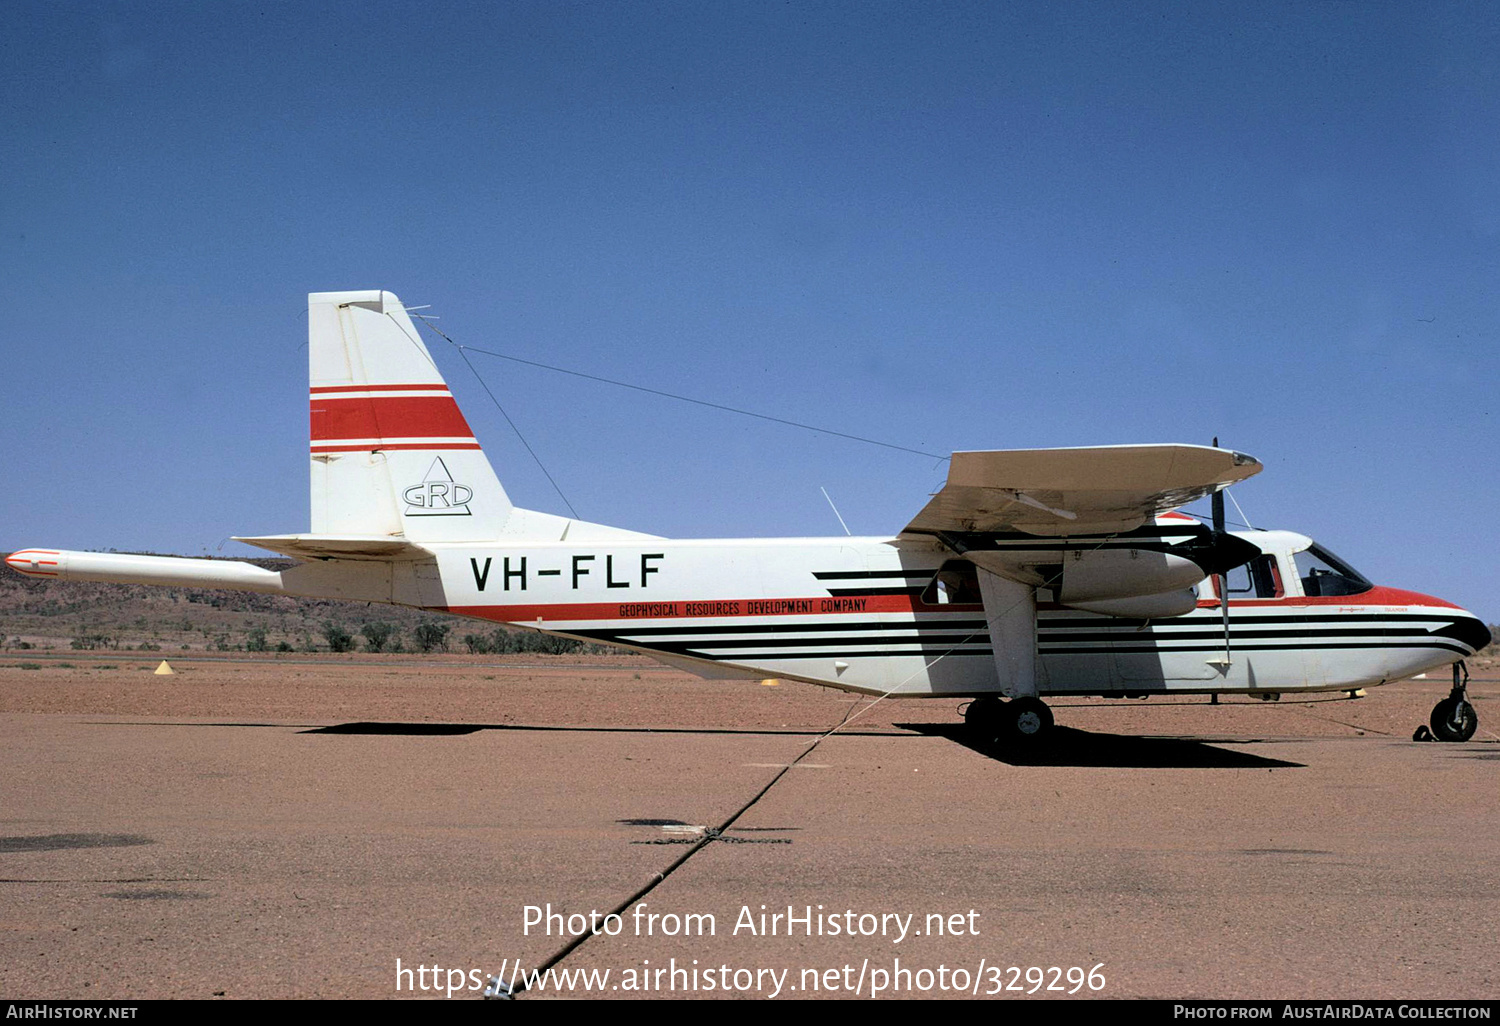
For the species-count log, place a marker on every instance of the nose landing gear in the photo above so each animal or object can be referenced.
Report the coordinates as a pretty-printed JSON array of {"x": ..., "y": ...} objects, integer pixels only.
[
  {"x": 1021, "y": 721},
  {"x": 1454, "y": 719}
]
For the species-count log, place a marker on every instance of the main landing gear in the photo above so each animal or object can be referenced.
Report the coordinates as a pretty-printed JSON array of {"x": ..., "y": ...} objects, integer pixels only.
[
  {"x": 1021, "y": 721},
  {"x": 1454, "y": 719}
]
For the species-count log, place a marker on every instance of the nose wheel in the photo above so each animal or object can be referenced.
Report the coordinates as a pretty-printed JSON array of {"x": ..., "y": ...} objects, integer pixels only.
[
  {"x": 1454, "y": 719},
  {"x": 1021, "y": 721}
]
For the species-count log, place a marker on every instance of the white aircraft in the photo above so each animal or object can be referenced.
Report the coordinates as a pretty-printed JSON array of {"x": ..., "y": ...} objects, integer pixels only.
[{"x": 1031, "y": 573}]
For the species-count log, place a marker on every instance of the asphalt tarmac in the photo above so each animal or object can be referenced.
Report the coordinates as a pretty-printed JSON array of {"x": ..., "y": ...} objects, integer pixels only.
[{"x": 265, "y": 830}]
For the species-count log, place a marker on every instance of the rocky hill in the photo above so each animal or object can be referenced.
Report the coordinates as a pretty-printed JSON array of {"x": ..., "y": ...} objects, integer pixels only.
[{"x": 78, "y": 615}]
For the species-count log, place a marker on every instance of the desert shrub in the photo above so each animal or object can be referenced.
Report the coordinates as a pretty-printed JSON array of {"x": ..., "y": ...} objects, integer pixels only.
[
  {"x": 431, "y": 636},
  {"x": 339, "y": 639},
  {"x": 503, "y": 641},
  {"x": 377, "y": 635}
]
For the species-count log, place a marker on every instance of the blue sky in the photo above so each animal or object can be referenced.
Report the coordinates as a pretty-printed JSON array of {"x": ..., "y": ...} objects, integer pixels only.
[{"x": 948, "y": 226}]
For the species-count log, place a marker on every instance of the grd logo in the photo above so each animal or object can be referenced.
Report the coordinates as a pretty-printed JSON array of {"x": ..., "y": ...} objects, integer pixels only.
[{"x": 438, "y": 495}]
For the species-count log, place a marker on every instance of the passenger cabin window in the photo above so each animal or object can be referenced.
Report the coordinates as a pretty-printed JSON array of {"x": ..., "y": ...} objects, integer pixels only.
[
  {"x": 956, "y": 584},
  {"x": 1323, "y": 573},
  {"x": 1255, "y": 579}
]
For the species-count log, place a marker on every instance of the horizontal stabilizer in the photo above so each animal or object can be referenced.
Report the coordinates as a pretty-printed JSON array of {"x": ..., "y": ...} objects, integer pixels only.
[
  {"x": 324, "y": 546},
  {"x": 1057, "y": 492}
]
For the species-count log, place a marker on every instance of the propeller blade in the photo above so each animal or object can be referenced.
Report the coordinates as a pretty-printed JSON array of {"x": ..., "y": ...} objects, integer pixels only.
[{"x": 1220, "y": 579}]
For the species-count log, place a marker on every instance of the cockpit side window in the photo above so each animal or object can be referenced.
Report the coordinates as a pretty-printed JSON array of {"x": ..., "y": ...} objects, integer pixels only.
[
  {"x": 1255, "y": 579},
  {"x": 1323, "y": 573}
]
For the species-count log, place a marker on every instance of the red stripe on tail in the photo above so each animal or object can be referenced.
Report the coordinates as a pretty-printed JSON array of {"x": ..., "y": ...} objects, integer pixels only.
[{"x": 387, "y": 417}]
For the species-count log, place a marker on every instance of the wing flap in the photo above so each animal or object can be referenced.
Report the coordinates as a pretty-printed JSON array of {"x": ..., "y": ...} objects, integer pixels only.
[{"x": 1057, "y": 492}]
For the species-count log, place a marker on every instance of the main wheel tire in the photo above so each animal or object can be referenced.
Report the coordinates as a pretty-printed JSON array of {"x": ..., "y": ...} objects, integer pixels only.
[
  {"x": 1453, "y": 719},
  {"x": 985, "y": 720},
  {"x": 982, "y": 713},
  {"x": 1028, "y": 720}
]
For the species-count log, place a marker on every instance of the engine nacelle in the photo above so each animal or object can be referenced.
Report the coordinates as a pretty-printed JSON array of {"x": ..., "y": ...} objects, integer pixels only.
[
  {"x": 1144, "y": 607},
  {"x": 1093, "y": 575}
]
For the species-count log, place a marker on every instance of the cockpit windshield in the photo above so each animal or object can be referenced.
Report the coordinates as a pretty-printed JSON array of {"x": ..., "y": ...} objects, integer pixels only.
[{"x": 1323, "y": 573}]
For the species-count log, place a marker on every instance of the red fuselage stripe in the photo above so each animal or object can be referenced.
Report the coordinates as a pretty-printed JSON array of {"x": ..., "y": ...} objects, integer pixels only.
[
  {"x": 677, "y": 609},
  {"x": 1377, "y": 596}
]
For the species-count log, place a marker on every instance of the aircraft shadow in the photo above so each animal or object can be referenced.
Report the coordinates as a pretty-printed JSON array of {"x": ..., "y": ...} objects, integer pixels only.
[
  {"x": 452, "y": 729},
  {"x": 1070, "y": 747},
  {"x": 1067, "y": 747}
]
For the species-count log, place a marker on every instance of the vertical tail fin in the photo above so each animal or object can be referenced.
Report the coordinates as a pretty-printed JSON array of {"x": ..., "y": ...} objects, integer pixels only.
[{"x": 391, "y": 453}]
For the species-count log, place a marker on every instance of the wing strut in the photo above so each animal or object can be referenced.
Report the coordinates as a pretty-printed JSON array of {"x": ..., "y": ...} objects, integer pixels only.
[{"x": 1221, "y": 580}]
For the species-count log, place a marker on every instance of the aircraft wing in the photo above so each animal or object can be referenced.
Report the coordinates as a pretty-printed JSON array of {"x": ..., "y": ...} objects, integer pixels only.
[{"x": 1056, "y": 492}]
